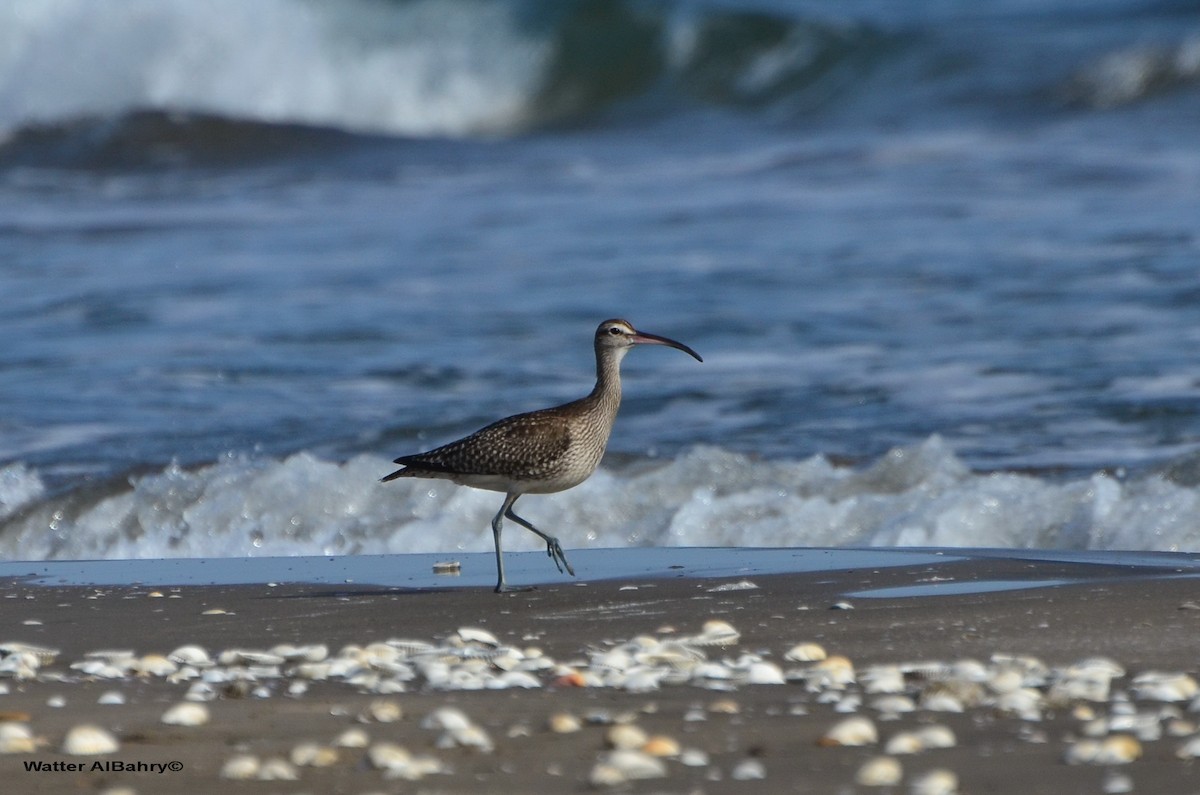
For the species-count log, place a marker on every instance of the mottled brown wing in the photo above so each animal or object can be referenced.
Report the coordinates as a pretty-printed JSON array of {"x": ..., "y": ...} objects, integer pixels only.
[{"x": 526, "y": 446}]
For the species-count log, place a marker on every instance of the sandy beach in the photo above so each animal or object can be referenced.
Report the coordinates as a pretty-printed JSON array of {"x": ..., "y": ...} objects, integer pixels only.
[{"x": 730, "y": 735}]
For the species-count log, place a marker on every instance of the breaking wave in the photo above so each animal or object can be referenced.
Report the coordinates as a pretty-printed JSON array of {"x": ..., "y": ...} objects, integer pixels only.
[{"x": 921, "y": 495}]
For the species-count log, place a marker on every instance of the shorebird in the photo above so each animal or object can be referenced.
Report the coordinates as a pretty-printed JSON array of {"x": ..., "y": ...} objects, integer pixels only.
[{"x": 540, "y": 452}]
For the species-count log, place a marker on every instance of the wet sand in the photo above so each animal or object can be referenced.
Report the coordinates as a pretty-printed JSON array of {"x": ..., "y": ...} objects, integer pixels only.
[{"x": 1144, "y": 617}]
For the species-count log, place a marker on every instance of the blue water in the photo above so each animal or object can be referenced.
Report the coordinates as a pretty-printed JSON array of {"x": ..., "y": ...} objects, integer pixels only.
[{"x": 240, "y": 246}]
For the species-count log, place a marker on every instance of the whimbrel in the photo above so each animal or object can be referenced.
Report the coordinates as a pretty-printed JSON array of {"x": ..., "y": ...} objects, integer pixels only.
[{"x": 544, "y": 451}]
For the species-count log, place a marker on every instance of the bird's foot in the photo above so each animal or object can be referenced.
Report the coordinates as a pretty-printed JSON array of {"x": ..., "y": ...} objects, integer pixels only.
[{"x": 555, "y": 551}]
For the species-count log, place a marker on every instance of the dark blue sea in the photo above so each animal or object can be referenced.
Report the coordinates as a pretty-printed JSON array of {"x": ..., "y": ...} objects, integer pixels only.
[{"x": 941, "y": 257}]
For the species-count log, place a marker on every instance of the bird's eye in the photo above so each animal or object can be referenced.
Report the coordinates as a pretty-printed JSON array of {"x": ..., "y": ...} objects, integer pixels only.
[{"x": 614, "y": 330}]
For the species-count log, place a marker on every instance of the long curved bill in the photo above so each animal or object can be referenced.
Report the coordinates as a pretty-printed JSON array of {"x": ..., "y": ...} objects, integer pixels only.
[{"x": 645, "y": 338}]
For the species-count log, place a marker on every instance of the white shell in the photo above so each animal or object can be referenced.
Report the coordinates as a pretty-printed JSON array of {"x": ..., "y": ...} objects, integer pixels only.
[
  {"x": 17, "y": 738},
  {"x": 276, "y": 769},
  {"x": 89, "y": 740},
  {"x": 748, "y": 770},
  {"x": 626, "y": 736},
  {"x": 938, "y": 781},
  {"x": 313, "y": 755},
  {"x": 805, "y": 652},
  {"x": 476, "y": 635},
  {"x": 879, "y": 771},
  {"x": 187, "y": 713},
  {"x": 352, "y": 738},
  {"x": 852, "y": 731},
  {"x": 241, "y": 767}
]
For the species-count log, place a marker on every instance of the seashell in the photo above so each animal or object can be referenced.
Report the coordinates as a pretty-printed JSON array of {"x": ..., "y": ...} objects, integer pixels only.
[
  {"x": 764, "y": 673},
  {"x": 938, "y": 781},
  {"x": 748, "y": 770},
  {"x": 187, "y": 713},
  {"x": 241, "y": 767},
  {"x": 940, "y": 699},
  {"x": 716, "y": 633},
  {"x": 388, "y": 756},
  {"x": 472, "y": 736},
  {"x": 882, "y": 679},
  {"x": 111, "y": 697},
  {"x": 381, "y": 711},
  {"x": 626, "y": 736},
  {"x": 725, "y": 706},
  {"x": 1118, "y": 749},
  {"x": 313, "y": 755},
  {"x": 1161, "y": 686},
  {"x": 606, "y": 776},
  {"x": 1189, "y": 750},
  {"x": 17, "y": 738},
  {"x": 154, "y": 665},
  {"x": 832, "y": 672},
  {"x": 1006, "y": 680},
  {"x": 1034, "y": 672},
  {"x": 200, "y": 691},
  {"x": 195, "y": 656},
  {"x": 249, "y": 657},
  {"x": 475, "y": 635},
  {"x": 42, "y": 655},
  {"x": 89, "y": 740},
  {"x": 564, "y": 723},
  {"x": 352, "y": 738},
  {"x": 642, "y": 681},
  {"x": 310, "y": 653},
  {"x": 904, "y": 743},
  {"x": 851, "y": 731},
  {"x": 661, "y": 745},
  {"x": 446, "y": 718},
  {"x": 1025, "y": 703},
  {"x": 635, "y": 765},
  {"x": 936, "y": 735},
  {"x": 805, "y": 652},
  {"x": 848, "y": 702},
  {"x": 57, "y": 702},
  {"x": 893, "y": 705},
  {"x": 515, "y": 679},
  {"x": 416, "y": 768},
  {"x": 879, "y": 771},
  {"x": 693, "y": 757},
  {"x": 297, "y": 688},
  {"x": 277, "y": 769}
]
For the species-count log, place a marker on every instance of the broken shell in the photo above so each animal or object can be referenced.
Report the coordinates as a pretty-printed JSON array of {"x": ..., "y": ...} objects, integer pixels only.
[
  {"x": 89, "y": 740},
  {"x": 879, "y": 771},
  {"x": 187, "y": 713},
  {"x": 851, "y": 731}
]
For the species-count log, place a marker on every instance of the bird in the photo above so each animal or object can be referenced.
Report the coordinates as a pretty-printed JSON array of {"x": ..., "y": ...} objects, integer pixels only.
[{"x": 540, "y": 452}]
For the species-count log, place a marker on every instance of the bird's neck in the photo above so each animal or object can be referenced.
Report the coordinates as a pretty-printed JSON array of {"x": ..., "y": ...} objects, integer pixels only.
[{"x": 607, "y": 392}]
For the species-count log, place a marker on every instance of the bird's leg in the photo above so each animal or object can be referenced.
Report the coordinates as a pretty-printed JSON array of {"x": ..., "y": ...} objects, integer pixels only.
[
  {"x": 497, "y": 527},
  {"x": 553, "y": 548}
]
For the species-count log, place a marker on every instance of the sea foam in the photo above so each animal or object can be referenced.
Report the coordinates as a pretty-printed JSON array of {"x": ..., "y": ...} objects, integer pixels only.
[{"x": 921, "y": 495}]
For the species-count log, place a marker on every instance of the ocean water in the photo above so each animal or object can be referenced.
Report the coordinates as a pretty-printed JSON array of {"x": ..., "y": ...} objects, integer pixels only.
[{"x": 942, "y": 260}]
